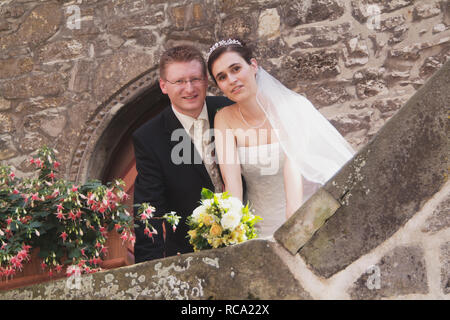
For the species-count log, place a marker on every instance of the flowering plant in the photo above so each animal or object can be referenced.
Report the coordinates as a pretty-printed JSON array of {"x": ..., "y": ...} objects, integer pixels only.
[
  {"x": 68, "y": 223},
  {"x": 221, "y": 220}
]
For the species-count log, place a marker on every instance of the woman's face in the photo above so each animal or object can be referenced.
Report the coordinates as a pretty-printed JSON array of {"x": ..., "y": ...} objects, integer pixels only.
[{"x": 235, "y": 77}]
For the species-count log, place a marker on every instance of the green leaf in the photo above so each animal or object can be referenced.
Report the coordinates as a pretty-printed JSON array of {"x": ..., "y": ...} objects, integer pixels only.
[
  {"x": 74, "y": 253},
  {"x": 207, "y": 194}
]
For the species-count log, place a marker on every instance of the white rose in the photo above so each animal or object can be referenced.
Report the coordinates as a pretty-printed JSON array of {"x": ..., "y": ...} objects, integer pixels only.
[
  {"x": 231, "y": 219},
  {"x": 198, "y": 211}
]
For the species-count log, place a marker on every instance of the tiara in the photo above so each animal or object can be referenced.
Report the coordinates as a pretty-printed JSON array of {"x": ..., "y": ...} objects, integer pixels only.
[{"x": 222, "y": 43}]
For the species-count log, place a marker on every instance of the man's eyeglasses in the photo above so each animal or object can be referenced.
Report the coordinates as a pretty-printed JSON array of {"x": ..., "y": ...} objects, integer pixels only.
[{"x": 182, "y": 83}]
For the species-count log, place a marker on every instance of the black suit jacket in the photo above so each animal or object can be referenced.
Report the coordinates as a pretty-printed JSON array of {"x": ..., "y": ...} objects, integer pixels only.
[{"x": 165, "y": 185}]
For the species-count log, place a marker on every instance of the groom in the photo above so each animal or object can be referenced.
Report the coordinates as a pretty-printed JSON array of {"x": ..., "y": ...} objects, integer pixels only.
[{"x": 171, "y": 178}]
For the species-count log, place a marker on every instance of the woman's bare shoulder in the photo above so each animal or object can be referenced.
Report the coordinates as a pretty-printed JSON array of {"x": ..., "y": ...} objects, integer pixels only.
[{"x": 225, "y": 114}]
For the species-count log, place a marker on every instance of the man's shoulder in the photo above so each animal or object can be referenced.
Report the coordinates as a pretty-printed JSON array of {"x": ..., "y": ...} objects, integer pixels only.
[
  {"x": 153, "y": 126},
  {"x": 217, "y": 102}
]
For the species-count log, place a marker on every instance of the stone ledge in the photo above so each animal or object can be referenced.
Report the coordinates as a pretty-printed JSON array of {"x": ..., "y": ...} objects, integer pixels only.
[
  {"x": 251, "y": 270},
  {"x": 387, "y": 182}
]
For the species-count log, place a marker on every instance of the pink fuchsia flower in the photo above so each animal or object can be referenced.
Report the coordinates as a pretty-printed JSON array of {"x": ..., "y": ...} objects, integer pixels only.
[
  {"x": 51, "y": 175},
  {"x": 15, "y": 191},
  {"x": 43, "y": 265},
  {"x": 63, "y": 236},
  {"x": 74, "y": 188},
  {"x": 60, "y": 215},
  {"x": 58, "y": 268},
  {"x": 148, "y": 233},
  {"x": 72, "y": 216},
  {"x": 35, "y": 196},
  {"x": 12, "y": 175},
  {"x": 59, "y": 207},
  {"x": 56, "y": 164},
  {"x": 9, "y": 220}
]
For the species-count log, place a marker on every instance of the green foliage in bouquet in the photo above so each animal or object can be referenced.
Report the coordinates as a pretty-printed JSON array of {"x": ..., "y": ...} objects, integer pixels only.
[
  {"x": 69, "y": 223},
  {"x": 220, "y": 220}
]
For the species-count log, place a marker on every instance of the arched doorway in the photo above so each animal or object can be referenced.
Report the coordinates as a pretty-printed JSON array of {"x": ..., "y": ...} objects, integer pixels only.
[{"x": 115, "y": 158}]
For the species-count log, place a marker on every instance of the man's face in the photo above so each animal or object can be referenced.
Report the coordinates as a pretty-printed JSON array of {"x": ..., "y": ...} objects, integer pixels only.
[{"x": 187, "y": 98}]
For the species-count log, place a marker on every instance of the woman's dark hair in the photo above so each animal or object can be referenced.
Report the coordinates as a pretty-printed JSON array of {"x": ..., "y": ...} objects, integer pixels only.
[{"x": 244, "y": 51}]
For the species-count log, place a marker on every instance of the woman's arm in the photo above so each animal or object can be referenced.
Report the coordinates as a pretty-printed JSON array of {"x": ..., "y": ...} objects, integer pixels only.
[
  {"x": 293, "y": 187},
  {"x": 227, "y": 155}
]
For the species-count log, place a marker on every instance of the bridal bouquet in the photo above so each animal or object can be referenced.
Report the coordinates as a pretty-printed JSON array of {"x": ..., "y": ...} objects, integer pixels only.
[{"x": 220, "y": 221}]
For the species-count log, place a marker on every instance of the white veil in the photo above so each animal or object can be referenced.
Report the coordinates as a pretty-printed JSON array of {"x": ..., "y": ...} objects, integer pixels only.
[{"x": 309, "y": 140}]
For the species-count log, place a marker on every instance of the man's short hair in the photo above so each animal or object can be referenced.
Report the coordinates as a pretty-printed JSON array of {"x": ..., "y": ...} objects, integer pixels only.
[{"x": 182, "y": 53}]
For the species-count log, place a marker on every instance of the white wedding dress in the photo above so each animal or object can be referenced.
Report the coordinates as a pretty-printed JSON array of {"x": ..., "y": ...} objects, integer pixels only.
[{"x": 262, "y": 168}]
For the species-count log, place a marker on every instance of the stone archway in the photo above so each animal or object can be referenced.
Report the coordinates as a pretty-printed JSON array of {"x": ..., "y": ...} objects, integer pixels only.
[{"x": 105, "y": 150}]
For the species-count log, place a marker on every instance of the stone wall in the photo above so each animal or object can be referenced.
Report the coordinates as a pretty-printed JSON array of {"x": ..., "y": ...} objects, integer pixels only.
[
  {"x": 63, "y": 62},
  {"x": 379, "y": 229}
]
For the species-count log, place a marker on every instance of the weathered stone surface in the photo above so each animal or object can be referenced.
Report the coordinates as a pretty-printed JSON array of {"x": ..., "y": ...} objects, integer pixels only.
[
  {"x": 117, "y": 70},
  {"x": 52, "y": 122},
  {"x": 445, "y": 268},
  {"x": 15, "y": 67},
  {"x": 440, "y": 219},
  {"x": 39, "y": 25},
  {"x": 61, "y": 51},
  {"x": 233, "y": 6},
  {"x": 4, "y": 104},
  {"x": 269, "y": 24},
  {"x": 376, "y": 189},
  {"x": 434, "y": 63},
  {"x": 301, "y": 12},
  {"x": 240, "y": 27},
  {"x": 318, "y": 36},
  {"x": 32, "y": 86},
  {"x": 227, "y": 273},
  {"x": 327, "y": 94},
  {"x": 189, "y": 16},
  {"x": 7, "y": 149},
  {"x": 356, "y": 52},
  {"x": 307, "y": 220},
  {"x": 426, "y": 10},
  {"x": 32, "y": 141},
  {"x": 400, "y": 272},
  {"x": 387, "y": 106},
  {"x": 346, "y": 123},
  {"x": 311, "y": 66},
  {"x": 362, "y": 9},
  {"x": 369, "y": 83},
  {"x": 6, "y": 123}
]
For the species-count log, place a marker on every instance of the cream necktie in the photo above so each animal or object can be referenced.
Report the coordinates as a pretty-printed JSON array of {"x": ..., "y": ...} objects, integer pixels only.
[{"x": 202, "y": 141}]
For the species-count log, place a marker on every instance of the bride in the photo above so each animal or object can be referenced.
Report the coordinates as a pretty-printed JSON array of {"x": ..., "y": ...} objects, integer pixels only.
[{"x": 273, "y": 137}]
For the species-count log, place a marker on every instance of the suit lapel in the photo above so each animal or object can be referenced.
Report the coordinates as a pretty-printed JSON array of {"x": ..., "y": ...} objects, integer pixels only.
[{"x": 172, "y": 123}]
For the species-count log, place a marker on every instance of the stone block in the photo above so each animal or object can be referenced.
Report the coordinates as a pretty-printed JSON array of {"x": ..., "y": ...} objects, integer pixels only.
[
  {"x": 62, "y": 50},
  {"x": 40, "y": 24},
  {"x": 7, "y": 149},
  {"x": 323, "y": 64},
  {"x": 306, "y": 221},
  {"x": 6, "y": 123},
  {"x": 252, "y": 270},
  {"x": 400, "y": 272},
  {"x": 4, "y": 104},
  {"x": 49, "y": 84},
  {"x": 426, "y": 10},
  {"x": 363, "y": 9},
  {"x": 445, "y": 268},
  {"x": 327, "y": 94},
  {"x": 440, "y": 219},
  {"x": 301, "y": 12},
  {"x": 376, "y": 189},
  {"x": 14, "y": 67},
  {"x": 318, "y": 36},
  {"x": 240, "y": 27},
  {"x": 269, "y": 24},
  {"x": 369, "y": 82}
]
